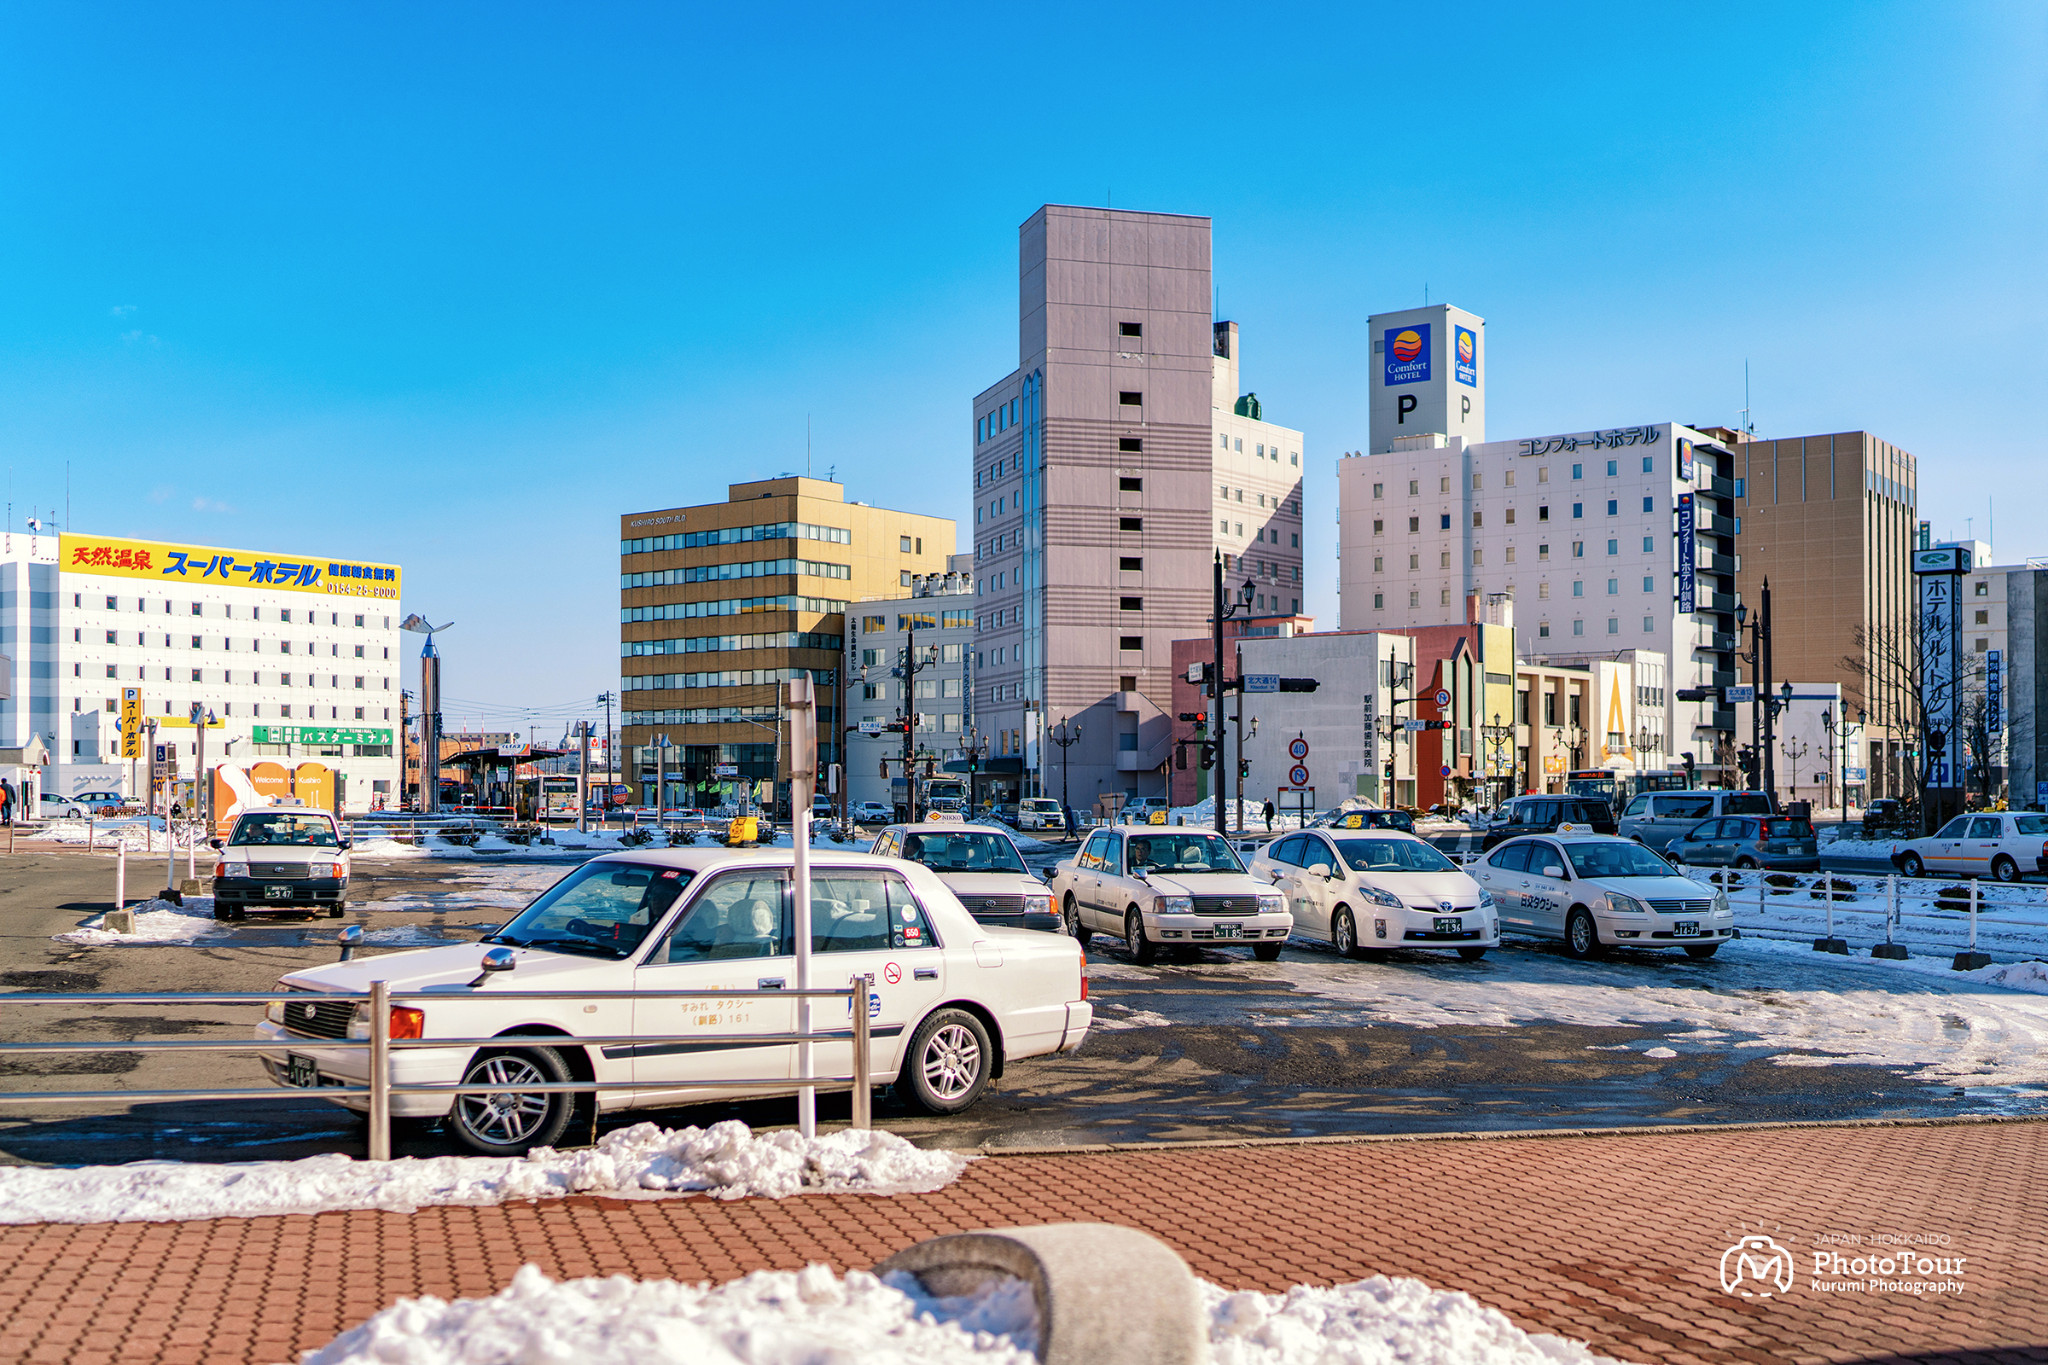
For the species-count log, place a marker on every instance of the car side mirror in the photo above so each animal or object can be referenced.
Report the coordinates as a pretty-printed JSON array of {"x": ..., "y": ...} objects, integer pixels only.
[
  {"x": 348, "y": 843},
  {"x": 1553, "y": 870},
  {"x": 495, "y": 960},
  {"x": 213, "y": 843},
  {"x": 1318, "y": 869},
  {"x": 1138, "y": 875}
]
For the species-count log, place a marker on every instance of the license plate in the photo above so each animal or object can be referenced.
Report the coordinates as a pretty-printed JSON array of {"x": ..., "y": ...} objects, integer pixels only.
[
  {"x": 300, "y": 1071},
  {"x": 1452, "y": 925},
  {"x": 1685, "y": 928},
  {"x": 1230, "y": 931},
  {"x": 277, "y": 893}
]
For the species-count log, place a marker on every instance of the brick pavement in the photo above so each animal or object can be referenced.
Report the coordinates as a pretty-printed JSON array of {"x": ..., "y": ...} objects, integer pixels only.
[{"x": 1612, "y": 1239}]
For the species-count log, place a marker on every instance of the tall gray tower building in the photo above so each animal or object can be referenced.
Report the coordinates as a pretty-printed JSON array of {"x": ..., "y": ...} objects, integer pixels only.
[{"x": 1099, "y": 467}]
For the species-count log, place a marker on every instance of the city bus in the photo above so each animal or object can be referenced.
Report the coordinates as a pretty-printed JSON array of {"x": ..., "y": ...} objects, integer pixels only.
[{"x": 1618, "y": 788}]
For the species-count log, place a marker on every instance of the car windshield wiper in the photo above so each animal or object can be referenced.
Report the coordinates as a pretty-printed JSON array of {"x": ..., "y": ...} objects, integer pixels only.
[
  {"x": 504, "y": 938},
  {"x": 577, "y": 945}
]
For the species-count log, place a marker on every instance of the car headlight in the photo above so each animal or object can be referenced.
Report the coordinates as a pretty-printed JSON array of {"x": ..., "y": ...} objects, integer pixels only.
[
  {"x": 1038, "y": 905},
  {"x": 1721, "y": 903},
  {"x": 1485, "y": 899},
  {"x": 1176, "y": 905},
  {"x": 1379, "y": 897},
  {"x": 1272, "y": 905},
  {"x": 274, "y": 1011},
  {"x": 233, "y": 870},
  {"x": 1625, "y": 905}
]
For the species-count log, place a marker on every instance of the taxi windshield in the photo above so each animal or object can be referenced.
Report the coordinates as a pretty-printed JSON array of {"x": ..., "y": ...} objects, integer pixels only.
[
  {"x": 1393, "y": 855},
  {"x": 1616, "y": 858},
  {"x": 966, "y": 851},
  {"x": 1181, "y": 853},
  {"x": 601, "y": 909},
  {"x": 285, "y": 828}
]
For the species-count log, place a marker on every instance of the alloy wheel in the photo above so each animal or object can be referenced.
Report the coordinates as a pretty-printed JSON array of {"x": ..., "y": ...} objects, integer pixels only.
[{"x": 951, "y": 1062}]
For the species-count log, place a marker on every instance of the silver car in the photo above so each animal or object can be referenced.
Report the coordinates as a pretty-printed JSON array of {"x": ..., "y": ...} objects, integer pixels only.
[{"x": 1654, "y": 819}]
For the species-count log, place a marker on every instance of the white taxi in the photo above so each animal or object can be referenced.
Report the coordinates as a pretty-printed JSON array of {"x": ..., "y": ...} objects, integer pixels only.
[
  {"x": 1597, "y": 891},
  {"x": 979, "y": 865},
  {"x": 953, "y": 1001},
  {"x": 1364, "y": 891},
  {"x": 1153, "y": 885}
]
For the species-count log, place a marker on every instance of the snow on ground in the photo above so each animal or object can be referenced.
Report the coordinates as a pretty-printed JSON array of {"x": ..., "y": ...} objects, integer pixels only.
[
  {"x": 1959, "y": 1028},
  {"x": 726, "y": 1160},
  {"x": 780, "y": 1317},
  {"x": 156, "y": 921},
  {"x": 2012, "y": 921}
]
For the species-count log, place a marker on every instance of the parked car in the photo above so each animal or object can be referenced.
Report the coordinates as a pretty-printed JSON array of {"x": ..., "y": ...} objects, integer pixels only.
[
  {"x": 294, "y": 860},
  {"x": 1363, "y": 891},
  {"x": 1596, "y": 891},
  {"x": 1654, "y": 819},
  {"x": 2006, "y": 845},
  {"x": 1178, "y": 886},
  {"x": 1141, "y": 809},
  {"x": 1365, "y": 819},
  {"x": 1543, "y": 814},
  {"x": 872, "y": 812},
  {"x": 1779, "y": 843},
  {"x": 979, "y": 865},
  {"x": 79, "y": 805},
  {"x": 954, "y": 1001},
  {"x": 1039, "y": 812},
  {"x": 1887, "y": 818}
]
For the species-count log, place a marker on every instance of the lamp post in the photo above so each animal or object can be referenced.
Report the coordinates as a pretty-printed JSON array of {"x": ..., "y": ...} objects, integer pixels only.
[
  {"x": 1796, "y": 749},
  {"x": 1758, "y": 658},
  {"x": 972, "y": 747},
  {"x": 1222, "y": 611},
  {"x": 1827, "y": 730},
  {"x": 1066, "y": 738},
  {"x": 1501, "y": 737}
]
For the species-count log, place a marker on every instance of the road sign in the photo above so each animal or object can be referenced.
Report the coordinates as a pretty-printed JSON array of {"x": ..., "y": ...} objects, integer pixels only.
[
  {"x": 1855, "y": 774},
  {"x": 1297, "y": 749},
  {"x": 1298, "y": 775},
  {"x": 871, "y": 727},
  {"x": 1742, "y": 694},
  {"x": 131, "y": 722},
  {"x": 1443, "y": 698},
  {"x": 1262, "y": 682},
  {"x": 1446, "y": 771},
  {"x": 1413, "y": 725},
  {"x": 725, "y": 770}
]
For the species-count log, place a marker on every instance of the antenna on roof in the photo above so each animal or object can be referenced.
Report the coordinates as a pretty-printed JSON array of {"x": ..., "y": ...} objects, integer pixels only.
[
  {"x": 1748, "y": 423},
  {"x": 807, "y": 445}
]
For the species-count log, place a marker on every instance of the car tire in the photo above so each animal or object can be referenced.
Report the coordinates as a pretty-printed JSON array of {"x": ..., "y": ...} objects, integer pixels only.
[
  {"x": 1581, "y": 938},
  {"x": 1142, "y": 949},
  {"x": 1745, "y": 864},
  {"x": 1344, "y": 932},
  {"x": 337, "y": 910},
  {"x": 2005, "y": 869},
  {"x": 1702, "y": 950},
  {"x": 1268, "y": 952},
  {"x": 1910, "y": 864},
  {"x": 948, "y": 1063},
  {"x": 1471, "y": 954},
  {"x": 509, "y": 1123},
  {"x": 1072, "y": 914},
  {"x": 221, "y": 912}
]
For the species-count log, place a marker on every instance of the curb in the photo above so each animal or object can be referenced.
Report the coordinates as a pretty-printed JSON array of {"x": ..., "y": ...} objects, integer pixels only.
[{"x": 1498, "y": 1135}]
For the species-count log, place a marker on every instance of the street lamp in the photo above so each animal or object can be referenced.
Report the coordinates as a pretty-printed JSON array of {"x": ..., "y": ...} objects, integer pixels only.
[
  {"x": 1066, "y": 739},
  {"x": 972, "y": 747},
  {"x": 430, "y": 713},
  {"x": 1222, "y": 611}
]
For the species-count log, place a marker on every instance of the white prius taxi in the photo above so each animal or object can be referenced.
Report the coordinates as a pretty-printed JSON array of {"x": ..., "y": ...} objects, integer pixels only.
[
  {"x": 979, "y": 865},
  {"x": 1597, "y": 891},
  {"x": 1365, "y": 891},
  {"x": 953, "y": 1000},
  {"x": 1150, "y": 885}
]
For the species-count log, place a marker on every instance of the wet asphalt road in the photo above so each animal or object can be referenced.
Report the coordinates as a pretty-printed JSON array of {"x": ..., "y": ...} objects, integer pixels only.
[{"x": 1198, "y": 1047}]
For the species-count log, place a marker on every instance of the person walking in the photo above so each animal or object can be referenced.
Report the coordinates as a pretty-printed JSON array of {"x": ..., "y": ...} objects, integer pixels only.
[
  {"x": 6, "y": 802},
  {"x": 1269, "y": 817}
]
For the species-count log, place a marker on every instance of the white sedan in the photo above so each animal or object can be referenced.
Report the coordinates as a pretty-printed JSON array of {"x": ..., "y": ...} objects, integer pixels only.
[
  {"x": 1597, "y": 891},
  {"x": 953, "y": 1000},
  {"x": 2006, "y": 845},
  {"x": 1339, "y": 881}
]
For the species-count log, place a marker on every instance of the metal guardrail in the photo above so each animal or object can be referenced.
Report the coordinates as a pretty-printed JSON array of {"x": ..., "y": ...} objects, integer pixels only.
[
  {"x": 1941, "y": 905},
  {"x": 380, "y": 1045}
]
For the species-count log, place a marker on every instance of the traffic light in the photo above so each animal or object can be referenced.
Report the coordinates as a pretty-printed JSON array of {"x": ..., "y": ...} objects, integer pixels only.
[
  {"x": 1298, "y": 684},
  {"x": 1197, "y": 717},
  {"x": 1244, "y": 767},
  {"x": 1692, "y": 693}
]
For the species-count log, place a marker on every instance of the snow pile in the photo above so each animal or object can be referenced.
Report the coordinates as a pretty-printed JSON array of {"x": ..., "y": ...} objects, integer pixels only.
[
  {"x": 156, "y": 921},
  {"x": 725, "y": 1160},
  {"x": 771, "y": 1317},
  {"x": 382, "y": 845},
  {"x": 2014, "y": 976},
  {"x": 780, "y": 1317},
  {"x": 1375, "y": 1320}
]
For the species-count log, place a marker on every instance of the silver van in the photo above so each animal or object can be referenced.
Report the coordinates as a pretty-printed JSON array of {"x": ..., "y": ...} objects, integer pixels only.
[{"x": 1654, "y": 819}]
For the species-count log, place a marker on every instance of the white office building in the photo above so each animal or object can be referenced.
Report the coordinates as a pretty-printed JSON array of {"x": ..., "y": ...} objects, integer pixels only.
[
  {"x": 937, "y": 617},
  {"x": 296, "y": 657}
]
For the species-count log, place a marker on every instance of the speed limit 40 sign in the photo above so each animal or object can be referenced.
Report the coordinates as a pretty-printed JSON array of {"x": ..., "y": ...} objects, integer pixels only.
[{"x": 1297, "y": 748}]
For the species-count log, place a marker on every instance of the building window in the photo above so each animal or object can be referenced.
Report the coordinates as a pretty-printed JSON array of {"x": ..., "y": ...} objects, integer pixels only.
[
  {"x": 1478, "y": 558},
  {"x": 1126, "y": 484},
  {"x": 1578, "y": 627},
  {"x": 1414, "y": 599},
  {"x": 195, "y": 675},
  {"x": 1613, "y": 625},
  {"x": 1578, "y": 510},
  {"x": 1543, "y": 591},
  {"x": 1379, "y": 601},
  {"x": 1511, "y": 554},
  {"x": 1475, "y": 483},
  {"x": 1649, "y": 504},
  {"x": 1444, "y": 521},
  {"x": 1649, "y": 625},
  {"x": 1983, "y": 588},
  {"x": 1646, "y": 464},
  {"x": 1543, "y": 553},
  {"x": 1983, "y": 618},
  {"x": 1130, "y": 398},
  {"x": 110, "y": 671},
  {"x": 1982, "y": 646},
  {"x": 1578, "y": 472},
  {"x": 1379, "y": 565},
  {"x": 1414, "y": 525},
  {"x": 1130, "y": 642},
  {"x": 1130, "y": 563},
  {"x": 1132, "y": 445},
  {"x": 1649, "y": 545},
  {"x": 1443, "y": 559},
  {"x": 1507, "y": 478},
  {"x": 1510, "y": 516},
  {"x": 1543, "y": 513},
  {"x": 1478, "y": 519},
  {"x": 1414, "y": 487},
  {"x": 1443, "y": 597},
  {"x": 1578, "y": 549},
  {"x": 1130, "y": 329},
  {"x": 1613, "y": 506},
  {"x": 1614, "y": 547},
  {"x": 1613, "y": 587},
  {"x": 1443, "y": 485},
  {"x": 1543, "y": 630},
  {"x": 1543, "y": 474},
  {"x": 1378, "y": 526},
  {"x": 1130, "y": 523},
  {"x": 1578, "y": 587},
  {"x": 903, "y": 544},
  {"x": 1130, "y": 604},
  {"x": 1379, "y": 490}
]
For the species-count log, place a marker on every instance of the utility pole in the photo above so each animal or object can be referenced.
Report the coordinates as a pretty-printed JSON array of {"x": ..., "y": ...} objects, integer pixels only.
[
  {"x": 1220, "y": 611},
  {"x": 611, "y": 753},
  {"x": 582, "y": 775},
  {"x": 1763, "y": 653},
  {"x": 908, "y": 671}
]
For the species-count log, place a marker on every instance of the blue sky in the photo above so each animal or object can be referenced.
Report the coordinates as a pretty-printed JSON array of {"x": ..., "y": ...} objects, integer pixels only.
[{"x": 456, "y": 285}]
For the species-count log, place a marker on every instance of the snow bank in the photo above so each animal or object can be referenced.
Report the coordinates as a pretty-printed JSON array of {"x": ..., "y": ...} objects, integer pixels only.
[
  {"x": 725, "y": 1160},
  {"x": 779, "y": 1317},
  {"x": 156, "y": 921},
  {"x": 2014, "y": 976},
  {"x": 382, "y": 846}
]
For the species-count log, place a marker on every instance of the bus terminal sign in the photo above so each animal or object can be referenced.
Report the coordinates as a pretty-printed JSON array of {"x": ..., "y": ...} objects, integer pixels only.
[{"x": 316, "y": 734}]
